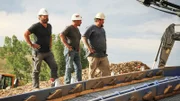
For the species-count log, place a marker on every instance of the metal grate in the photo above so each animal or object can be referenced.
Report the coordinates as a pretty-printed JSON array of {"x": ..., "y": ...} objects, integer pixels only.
[
  {"x": 172, "y": 98},
  {"x": 102, "y": 93}
]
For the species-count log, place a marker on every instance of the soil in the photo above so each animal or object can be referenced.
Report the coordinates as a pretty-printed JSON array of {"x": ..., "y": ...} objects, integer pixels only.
[{"x": 115, "y": 69}]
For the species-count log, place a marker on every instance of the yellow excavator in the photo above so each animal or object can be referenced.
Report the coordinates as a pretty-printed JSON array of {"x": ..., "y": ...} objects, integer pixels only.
[
  {"x": 8, "y": 81},
  {"x": 170, "y": 35}
]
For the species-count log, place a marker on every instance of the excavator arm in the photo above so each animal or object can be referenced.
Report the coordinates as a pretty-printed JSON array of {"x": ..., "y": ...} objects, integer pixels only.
[
  {"x": 162, "y": 5},
  {"x": 169, "y": 36},
  {"x": 166, "y": 45}
]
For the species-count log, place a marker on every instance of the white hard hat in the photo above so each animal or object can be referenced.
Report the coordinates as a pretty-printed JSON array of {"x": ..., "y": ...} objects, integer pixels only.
[
  {"x": 43, "y": 11},
  {"x": 76, "y": 16},
  {"x": 100, "y": 16}
]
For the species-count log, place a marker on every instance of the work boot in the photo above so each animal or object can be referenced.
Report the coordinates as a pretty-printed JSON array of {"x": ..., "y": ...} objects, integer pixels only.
[{"x": 55, "y": 83}]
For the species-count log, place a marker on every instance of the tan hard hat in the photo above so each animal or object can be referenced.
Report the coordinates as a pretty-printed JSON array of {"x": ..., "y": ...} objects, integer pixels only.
[{"x": 100, "y": 16}]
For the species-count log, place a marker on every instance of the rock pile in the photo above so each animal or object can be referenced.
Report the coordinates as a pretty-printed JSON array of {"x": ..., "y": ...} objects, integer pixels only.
[{"x": 115, "y": 69}]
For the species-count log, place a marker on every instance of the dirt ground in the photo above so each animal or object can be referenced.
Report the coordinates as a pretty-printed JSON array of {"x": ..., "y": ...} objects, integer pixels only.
[{"x": 115, "y": 69}]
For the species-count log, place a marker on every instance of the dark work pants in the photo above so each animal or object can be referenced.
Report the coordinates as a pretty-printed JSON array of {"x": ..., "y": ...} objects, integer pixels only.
[{"x": 37, "y": 59}]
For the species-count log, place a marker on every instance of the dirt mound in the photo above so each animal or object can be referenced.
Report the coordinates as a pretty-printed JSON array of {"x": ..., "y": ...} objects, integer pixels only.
[{"x": 115, "y": 69}]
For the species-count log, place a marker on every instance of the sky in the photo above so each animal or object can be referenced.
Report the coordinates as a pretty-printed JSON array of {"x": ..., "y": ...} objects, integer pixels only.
[{"x": 133, "y": 30}]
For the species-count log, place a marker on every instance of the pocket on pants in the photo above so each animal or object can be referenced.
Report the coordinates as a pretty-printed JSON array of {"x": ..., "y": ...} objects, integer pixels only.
[
  {"x": 90, "y": 59},
  {"x": 71, "y": 53},
  {"x": 35, "y": 56}
]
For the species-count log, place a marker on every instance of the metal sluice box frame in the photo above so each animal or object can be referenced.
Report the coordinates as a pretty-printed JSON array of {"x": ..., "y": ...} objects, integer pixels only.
[
  {"x": 146, "y": 92},
  {"x": 134, "y": 94}
]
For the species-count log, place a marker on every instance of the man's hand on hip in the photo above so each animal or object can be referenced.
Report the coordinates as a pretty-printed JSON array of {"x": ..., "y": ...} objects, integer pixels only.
[
  {"x": 69, "y": 47},
  {"x": 35, "y": 46},
  {"x": 91, "y": 50}
]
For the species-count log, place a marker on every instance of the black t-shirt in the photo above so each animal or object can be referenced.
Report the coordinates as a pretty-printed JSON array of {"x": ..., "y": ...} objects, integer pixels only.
[
  {"x": 42, "y": 35},
  {"x": 73, "y": 36}
]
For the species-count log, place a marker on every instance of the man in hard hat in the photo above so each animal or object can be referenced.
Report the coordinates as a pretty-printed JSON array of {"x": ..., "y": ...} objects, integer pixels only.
[
  {"x": 70, "y": 37},
  {"x": 42, "y": 31},
  {"x": 95, "y": 41}
]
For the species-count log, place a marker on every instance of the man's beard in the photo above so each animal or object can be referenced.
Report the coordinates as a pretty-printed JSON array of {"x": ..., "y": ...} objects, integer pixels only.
[
  {"x": 102, "y": 25},
  {"x": 45, "y": 21}
]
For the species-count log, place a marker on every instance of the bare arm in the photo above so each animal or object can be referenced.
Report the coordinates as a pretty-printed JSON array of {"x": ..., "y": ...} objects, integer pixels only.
[
  {"x": 63, "y": 40},
  {"x": 27, "y": 38},
  {"x": 84, "y": 39}
]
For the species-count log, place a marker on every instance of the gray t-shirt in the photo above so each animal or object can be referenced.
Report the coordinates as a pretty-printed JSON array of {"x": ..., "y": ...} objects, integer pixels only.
[
  {"x": 97, "y": 39},
  {"x": 72, "y": 36}
]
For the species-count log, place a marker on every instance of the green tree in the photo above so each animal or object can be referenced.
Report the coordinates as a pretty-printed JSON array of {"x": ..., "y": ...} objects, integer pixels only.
[
  {"x": 45, "y": 72},
  {"x": 58, "y": 49},
  {"x": 84, "y": 61},
  {"x": 19, "y": 59},
  {"x": 15, "y": 52}
]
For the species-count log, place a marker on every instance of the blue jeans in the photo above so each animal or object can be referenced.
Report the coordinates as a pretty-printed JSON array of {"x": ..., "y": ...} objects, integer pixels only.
[{"x": 73, "y": 59}]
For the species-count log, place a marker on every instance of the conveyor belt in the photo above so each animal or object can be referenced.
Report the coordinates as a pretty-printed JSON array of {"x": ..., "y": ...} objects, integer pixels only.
[
  {"x": 110, "y": 91},
  {"x": 124, "y": 86},
  {"x": 172, "y": 98},
  {"x": 102, "y": 93}
]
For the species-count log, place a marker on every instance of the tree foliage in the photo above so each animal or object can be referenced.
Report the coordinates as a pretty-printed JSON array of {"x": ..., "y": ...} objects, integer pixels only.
[
  {"x": 16, "y": 54},
  {"x": 18, "y": 58},
  {"x": 58, "y": 49},
  {"x": 83, "y": 56}
]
